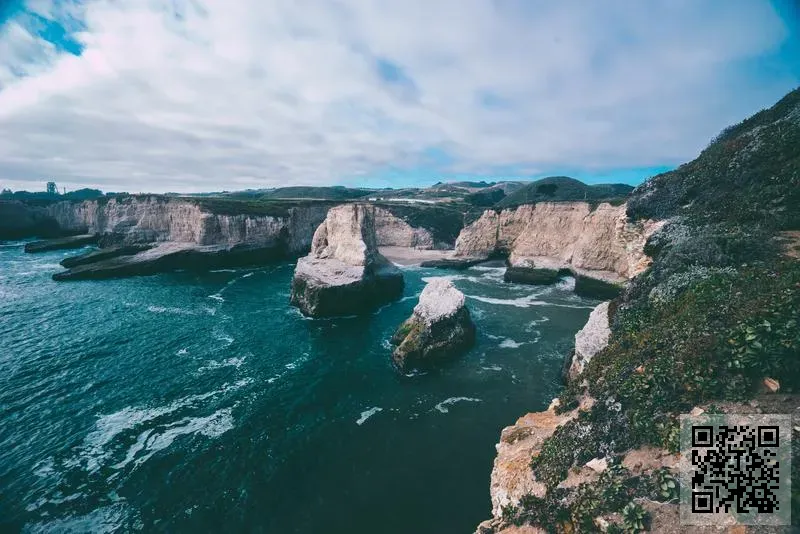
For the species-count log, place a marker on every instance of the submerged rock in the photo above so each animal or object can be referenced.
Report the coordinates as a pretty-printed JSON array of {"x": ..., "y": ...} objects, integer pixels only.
[
  {"x": 75, "y": 241},
  {"x": 440, "y": 328},
  {"x": 591, "y": 339},
  {"x": 345, "y": 274}
]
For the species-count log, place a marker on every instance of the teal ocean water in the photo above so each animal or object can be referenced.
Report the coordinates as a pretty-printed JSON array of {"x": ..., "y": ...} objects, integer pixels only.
[{"x": 194, "y": 403}]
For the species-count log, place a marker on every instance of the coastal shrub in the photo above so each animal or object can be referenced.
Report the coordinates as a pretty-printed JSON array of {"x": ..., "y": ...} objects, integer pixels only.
[{"x": 634, "y": 518}]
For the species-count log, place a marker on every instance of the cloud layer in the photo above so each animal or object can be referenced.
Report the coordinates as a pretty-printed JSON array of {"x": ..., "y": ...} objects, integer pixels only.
[{"x": 191, "y": 95}]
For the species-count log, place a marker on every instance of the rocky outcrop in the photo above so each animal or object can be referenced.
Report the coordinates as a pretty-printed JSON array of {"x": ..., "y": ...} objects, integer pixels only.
[
  {"x": 18, "y": 221},
  {"x": 512, "y": 476},
  {"x": 62, "y": 243},
  {"x": 440, "y": 328},
  {"x": 598, "y": 242},
  {"x": 392, "y": 231},
  {"x": 591, "y": 339},
  {"x": 345, "y": 274}
]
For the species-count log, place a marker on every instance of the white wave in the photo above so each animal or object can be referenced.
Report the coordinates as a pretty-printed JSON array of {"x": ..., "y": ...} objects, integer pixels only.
[
  {"x": 173, "y": 311},
  {"x": 410, "y": 297},
  {"x": 509, "y": 343},
  {"x": 442, "y": 406},
  {"x": 182, "y": 352},
  {"x": 151, "y": 441},
  {"x": 223, "y": 271},
  {"x": 492, "y": 336},
  {"x": 525, "y": 302},
  {"x": 95, "y": 451},
  {"x": 567, "y": 284},
  {"x": 217, "y": 297},
  {"x": 366, "y": 414},
  {"x": 451, "y": 277},
  {"x": 222, "y": 336},
  {"x": 415, "y": 372},
  {"x": 492, "y": 368},
  {"x": 386, "y": 344},
  {"x": 230, "y": 362},
  {"x": 536, "y": 322},
  {"x": 248, "y": 275}
]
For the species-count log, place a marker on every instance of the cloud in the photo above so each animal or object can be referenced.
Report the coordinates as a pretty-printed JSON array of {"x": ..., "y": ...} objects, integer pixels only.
[{"x": 193, "y": 95}]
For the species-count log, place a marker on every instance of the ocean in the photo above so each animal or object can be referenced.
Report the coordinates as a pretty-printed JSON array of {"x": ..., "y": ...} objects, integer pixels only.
[{"x": 190, "y": 402}]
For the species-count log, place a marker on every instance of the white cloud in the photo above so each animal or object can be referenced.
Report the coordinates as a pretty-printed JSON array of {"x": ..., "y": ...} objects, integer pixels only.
[{"x": 210, "y": 94}]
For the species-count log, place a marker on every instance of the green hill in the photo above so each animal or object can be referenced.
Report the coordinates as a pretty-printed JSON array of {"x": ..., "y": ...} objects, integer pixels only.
[{"x": 561, "y": 189}]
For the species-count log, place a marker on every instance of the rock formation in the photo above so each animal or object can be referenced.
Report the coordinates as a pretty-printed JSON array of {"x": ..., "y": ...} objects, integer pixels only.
[
  {"x": 512, "y": 477},
  {"x": 345, "y": 274},
  {"x": 392, "y": 231},
  {"x": 591, "y": 339},
  {"x": 439, "y": 328},
  {"x": 600, "y": 242},
  {"x": 18, "y": 221}
]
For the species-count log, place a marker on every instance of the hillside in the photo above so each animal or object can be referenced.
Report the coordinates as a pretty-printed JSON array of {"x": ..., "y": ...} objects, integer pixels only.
[
  {"x": 749, "y": 174},
  {"x": 713, "y": 317},
  {"x": 563, "y": 188}
]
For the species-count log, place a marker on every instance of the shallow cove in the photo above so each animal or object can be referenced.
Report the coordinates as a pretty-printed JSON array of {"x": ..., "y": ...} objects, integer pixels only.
[{"x": 188, "y": 402}]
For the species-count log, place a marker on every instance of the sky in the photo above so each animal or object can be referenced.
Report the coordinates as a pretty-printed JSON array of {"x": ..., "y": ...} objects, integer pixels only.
[{"x": 210, "y": 95}]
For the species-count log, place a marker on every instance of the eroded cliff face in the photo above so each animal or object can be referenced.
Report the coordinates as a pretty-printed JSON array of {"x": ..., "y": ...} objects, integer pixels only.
[
  {"x": 155, "y": 219},
  {"x": 600, "y": 242},
  {"x": 392, "y": 231}
]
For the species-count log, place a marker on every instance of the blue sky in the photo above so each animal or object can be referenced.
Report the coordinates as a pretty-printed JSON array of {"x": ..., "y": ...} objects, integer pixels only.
[{"x": 198, "y": 95}]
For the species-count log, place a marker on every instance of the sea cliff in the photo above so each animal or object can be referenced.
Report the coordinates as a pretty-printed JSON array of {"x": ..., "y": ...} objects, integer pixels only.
[
  {"x": 596, "y": 241},
  {"x": 710, "y": 324}
]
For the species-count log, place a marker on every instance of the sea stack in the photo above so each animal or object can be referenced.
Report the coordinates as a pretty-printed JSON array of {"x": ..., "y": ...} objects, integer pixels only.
[
  {"x": 440, "y": 328},
  {"x": 345, "y": 274}
]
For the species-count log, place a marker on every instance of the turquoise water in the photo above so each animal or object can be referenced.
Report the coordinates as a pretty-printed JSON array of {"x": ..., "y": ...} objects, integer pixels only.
[{"x": 188, "y": 403}]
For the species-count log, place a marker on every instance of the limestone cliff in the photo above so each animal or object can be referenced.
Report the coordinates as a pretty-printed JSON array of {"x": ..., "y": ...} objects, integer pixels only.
[
  {"x": 344, "y": 273},
  {"x": 155, "y": 219},
  {"x": 600, "y": 242},
  {"x": 392, "y": 231},
  {"x": 591, "y": 339}
]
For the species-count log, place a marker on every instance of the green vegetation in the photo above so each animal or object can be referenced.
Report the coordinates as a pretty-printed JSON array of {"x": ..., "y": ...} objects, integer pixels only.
[
  {"x": 337, "y": 192},
  {"x": 563, "y": 188},
  {"x": 273, "y": 208},
  {"x": 750, "y": 174},
  {"x": 716, "y": 313}
]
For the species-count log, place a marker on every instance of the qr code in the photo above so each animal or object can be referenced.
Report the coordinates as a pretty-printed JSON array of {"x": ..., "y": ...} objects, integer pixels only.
[{"x": 735, "y": 469}]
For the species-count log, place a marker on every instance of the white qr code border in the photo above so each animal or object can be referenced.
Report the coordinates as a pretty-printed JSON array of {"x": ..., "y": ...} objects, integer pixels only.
[{"x": 711, "y": 491}]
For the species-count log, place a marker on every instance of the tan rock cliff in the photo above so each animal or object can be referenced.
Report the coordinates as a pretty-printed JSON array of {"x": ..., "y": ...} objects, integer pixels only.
[{"x": 600, "y": 242}]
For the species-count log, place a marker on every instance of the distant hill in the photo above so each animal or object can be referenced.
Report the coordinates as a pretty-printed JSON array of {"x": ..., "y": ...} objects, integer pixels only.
[
  {"x": 337, "y": 192},
  {"x": 561, "y": 189}
]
